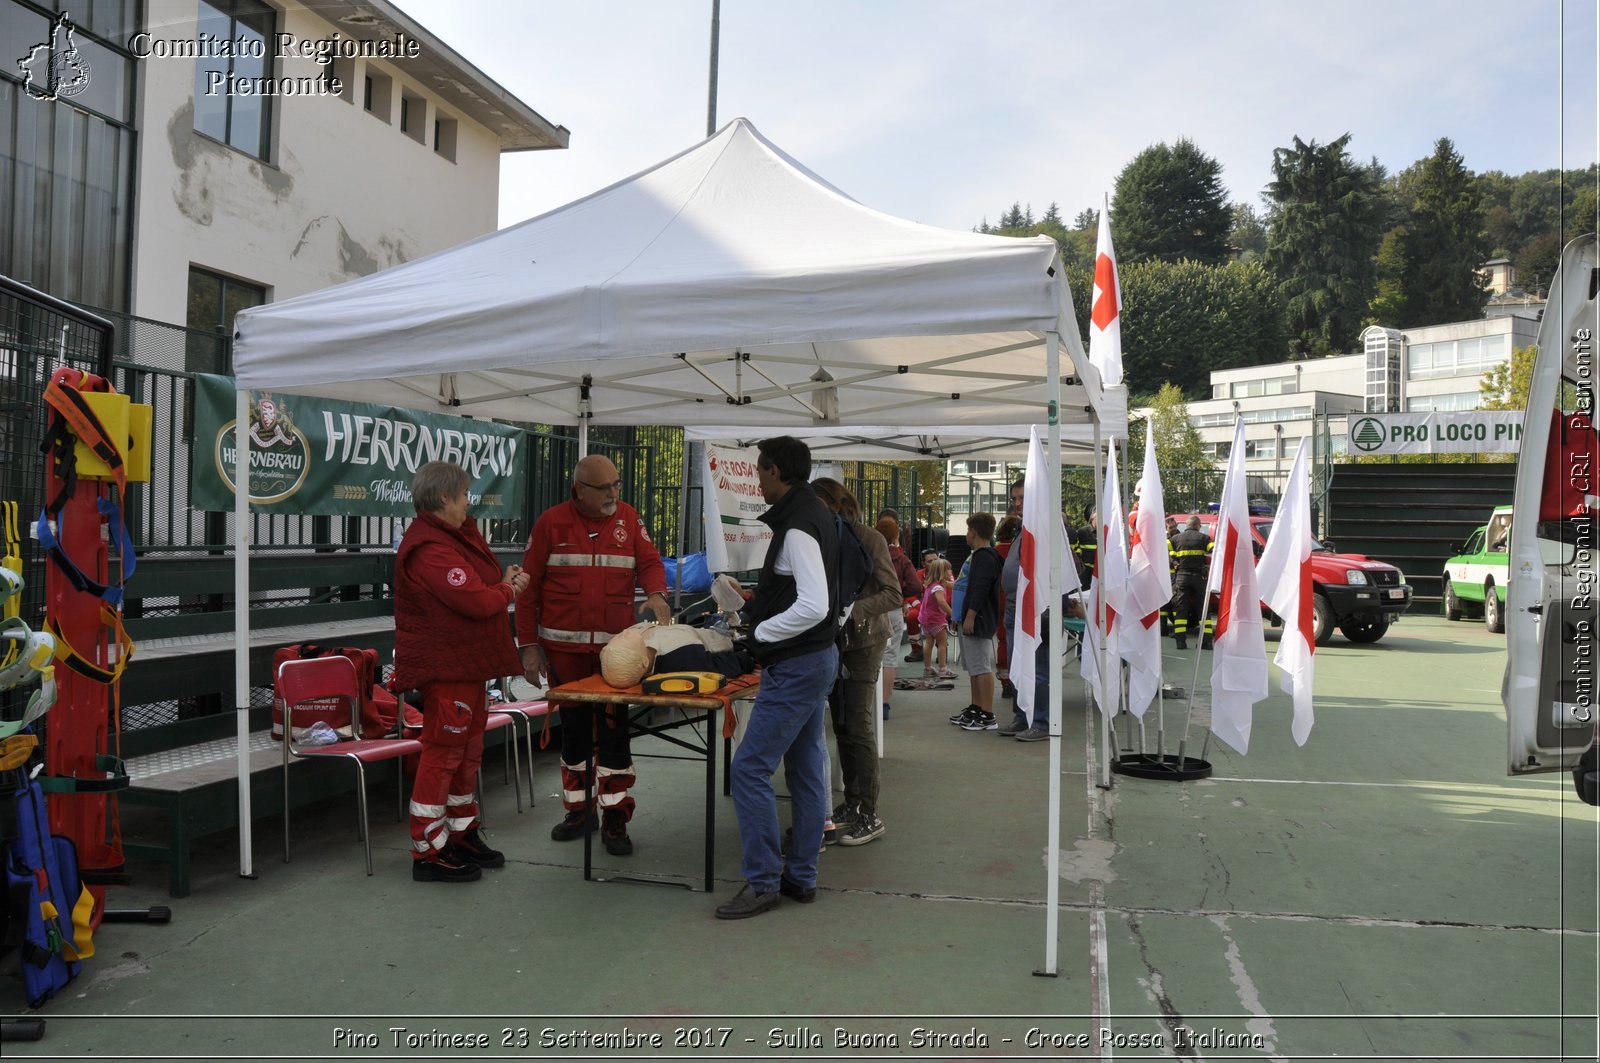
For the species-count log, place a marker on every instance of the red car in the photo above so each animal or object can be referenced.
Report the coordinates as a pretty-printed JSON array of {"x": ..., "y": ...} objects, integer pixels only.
[{"x": 1354, "y": 593}]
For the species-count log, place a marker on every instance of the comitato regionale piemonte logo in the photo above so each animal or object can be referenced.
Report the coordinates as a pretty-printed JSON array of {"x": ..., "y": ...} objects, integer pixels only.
[{"x": 54, "y": 69}]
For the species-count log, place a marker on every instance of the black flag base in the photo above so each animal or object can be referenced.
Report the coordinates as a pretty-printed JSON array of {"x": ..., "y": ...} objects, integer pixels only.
[{"x": 1169, "y": 767}]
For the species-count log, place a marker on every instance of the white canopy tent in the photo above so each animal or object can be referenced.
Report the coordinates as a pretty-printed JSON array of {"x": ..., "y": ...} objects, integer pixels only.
[
  {"x": 728, "y": 284},
  {"x": 998, "y": 442}
]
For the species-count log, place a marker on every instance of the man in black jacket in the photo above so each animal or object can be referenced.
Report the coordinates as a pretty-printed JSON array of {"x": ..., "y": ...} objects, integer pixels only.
[
  {"x": 792, "y": 630},
  {"x": 979, "y": 619}
]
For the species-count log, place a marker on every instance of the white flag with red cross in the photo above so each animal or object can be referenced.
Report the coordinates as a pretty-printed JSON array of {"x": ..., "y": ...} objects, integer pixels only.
[{"x": 1105, "y": 307}]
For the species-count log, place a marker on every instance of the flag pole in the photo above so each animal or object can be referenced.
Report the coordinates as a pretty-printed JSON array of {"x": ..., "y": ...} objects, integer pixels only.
[
  {"x": 1052, "y": 886},
  {"x": 1100, "y": 616},
  {"x": 1194, "y": 683}
]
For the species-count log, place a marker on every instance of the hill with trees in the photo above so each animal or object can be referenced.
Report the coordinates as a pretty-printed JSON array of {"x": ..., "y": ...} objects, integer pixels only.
[{"x": 1334, "y": 244}]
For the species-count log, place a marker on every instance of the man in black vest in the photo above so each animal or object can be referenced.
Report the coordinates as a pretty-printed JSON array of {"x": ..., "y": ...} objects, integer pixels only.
[{"x": 792, "y": 630}]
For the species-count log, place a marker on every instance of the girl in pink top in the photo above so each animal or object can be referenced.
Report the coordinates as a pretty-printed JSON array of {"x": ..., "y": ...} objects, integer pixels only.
[{"x": 934, "y": 617}]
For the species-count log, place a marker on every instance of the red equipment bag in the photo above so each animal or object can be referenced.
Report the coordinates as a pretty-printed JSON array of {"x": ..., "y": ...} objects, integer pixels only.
[{"x": 378, "y": 706}]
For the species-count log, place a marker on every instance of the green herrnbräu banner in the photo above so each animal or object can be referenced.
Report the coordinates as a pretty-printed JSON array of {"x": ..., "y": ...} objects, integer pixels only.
[{"x": 311, "y": 455}]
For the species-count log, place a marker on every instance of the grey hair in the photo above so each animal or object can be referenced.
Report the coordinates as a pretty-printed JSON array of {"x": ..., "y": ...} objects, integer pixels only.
[{"x": 436, "y": 482}]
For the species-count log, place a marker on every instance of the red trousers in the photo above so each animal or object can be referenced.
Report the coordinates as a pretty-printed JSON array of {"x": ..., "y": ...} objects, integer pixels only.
[
  {"x": 444, "y": 802},
  {"x": 580, "y": 739}
]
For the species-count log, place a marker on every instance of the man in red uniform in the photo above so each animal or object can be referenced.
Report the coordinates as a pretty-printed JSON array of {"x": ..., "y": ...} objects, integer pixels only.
[
  {"x": 583, "y": 560},
  {"x": 450, "y": 635}
]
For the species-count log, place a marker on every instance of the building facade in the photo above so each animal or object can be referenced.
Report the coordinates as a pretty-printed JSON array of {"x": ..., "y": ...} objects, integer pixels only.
[
  {"x": 182, "y": 159},
  {"x": 1437, "y": 367}
]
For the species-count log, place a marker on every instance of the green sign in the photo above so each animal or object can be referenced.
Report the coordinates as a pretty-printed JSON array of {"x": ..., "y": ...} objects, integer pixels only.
[{"x": 310, "y": 455}]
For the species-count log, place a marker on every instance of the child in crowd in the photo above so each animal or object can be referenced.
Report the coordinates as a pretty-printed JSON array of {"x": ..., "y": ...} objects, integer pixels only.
[{"x": 934, "y": 618}]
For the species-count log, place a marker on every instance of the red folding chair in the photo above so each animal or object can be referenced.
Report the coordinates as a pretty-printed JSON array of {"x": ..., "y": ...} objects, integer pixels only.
[
  {"x": 497, "y": 719},
  {"x": 529, "y": 712},
  {"x": 326, "y": 689}
]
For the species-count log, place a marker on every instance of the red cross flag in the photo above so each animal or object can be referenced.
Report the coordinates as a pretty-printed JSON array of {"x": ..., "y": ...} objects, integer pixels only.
[
  {"x": 1105, "y": 308},
  {"x": 1239, "y": 653},
  {"x": 1285, "y": 575}
]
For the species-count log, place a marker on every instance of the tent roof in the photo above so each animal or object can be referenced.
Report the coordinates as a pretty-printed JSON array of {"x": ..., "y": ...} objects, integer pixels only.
[
  {"x": 727, "y": 284},
  {"x": 908, "y": 443}
]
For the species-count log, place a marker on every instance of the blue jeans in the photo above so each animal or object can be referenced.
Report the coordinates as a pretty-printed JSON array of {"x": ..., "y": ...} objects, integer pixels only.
[
  {"x": 785, "y": 725},
  {"x": 1041, "y": 679}
]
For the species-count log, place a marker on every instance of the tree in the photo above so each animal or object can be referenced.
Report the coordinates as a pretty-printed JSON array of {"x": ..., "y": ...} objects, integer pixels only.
[
  {"x": 1442, "y": 247},
  {"x": 1536, "y": 262},
  {"x": 1247, "y": 235},
  {"x": 1389, "y": 304},
  {"x": 1169, "y": 204},
  {"x": 1182, "y": 320},
  {"x": 1188, "y": 475},
  {"x": 1322, "y": 242},
  {"x": 1505, "y": 386}
]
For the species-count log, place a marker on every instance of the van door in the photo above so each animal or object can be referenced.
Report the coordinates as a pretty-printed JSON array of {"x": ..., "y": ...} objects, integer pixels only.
[{"x": 1552, "y": 635}]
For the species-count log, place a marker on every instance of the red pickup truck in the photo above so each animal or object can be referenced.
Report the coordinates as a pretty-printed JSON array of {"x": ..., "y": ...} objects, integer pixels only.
[{"x": 1355, "y": 594}]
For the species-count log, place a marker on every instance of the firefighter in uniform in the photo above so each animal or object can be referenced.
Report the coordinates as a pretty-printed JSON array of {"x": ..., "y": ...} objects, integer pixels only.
[
  {"x": 584, "y": 558},
  {"x": 1086, "y": 546},
  {"x": 1191, "y": 554},
  {"x": 451, "y": 635}
]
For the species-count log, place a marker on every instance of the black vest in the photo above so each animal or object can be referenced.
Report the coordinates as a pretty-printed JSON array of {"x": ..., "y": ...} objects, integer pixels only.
[{"x": 799, "y": 509}]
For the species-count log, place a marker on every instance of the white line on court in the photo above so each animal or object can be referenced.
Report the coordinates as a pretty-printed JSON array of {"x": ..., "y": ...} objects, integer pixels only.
[{"x": 1099, "y": 969}]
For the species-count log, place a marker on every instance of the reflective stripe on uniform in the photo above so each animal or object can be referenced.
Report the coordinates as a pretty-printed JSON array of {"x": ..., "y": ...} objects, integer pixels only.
[
  {"x": 422, "y": 811},
  {"x": 579, "y": 638},
  {"x": 612, "y": 785},
  {"x": 590, "y": 561}
]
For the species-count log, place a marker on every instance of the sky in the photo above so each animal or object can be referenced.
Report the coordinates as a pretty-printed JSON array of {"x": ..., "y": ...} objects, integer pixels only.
[{"x": 947, "y": 112}]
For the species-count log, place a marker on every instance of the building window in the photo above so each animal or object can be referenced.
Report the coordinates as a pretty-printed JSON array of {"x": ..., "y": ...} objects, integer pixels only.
[
  {"x": 1278, "y": 385},
  {"x": 241, "y": 120},
  {"x": 66, "y": 169},
  {"x": 1225, "y": 419},
  {"x": 414, "y": 117},
  {"x": 1453, "y": 403},
  {"x": 345, "y": 71},
  {"x": 444, "y": 138},
  {"x": 1472, "y": 356},
  {"x": 376, "y": 95},
  {"x": 215, "y": 300}
]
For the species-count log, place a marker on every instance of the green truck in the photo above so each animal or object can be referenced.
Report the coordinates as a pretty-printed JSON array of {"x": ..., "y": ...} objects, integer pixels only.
[{"x": 1475, "y": 579}]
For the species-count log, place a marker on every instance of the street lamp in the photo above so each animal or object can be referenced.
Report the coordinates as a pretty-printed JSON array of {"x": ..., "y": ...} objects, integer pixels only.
[{"x": 1277, "y": 459}]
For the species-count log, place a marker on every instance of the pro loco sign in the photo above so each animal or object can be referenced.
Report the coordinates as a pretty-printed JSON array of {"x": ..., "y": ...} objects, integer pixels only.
[
  {"x": 310, "y": 455},
  {"x": 1477, "y": 432}
]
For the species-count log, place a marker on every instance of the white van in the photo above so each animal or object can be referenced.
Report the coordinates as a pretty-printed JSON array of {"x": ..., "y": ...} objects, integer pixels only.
[{"x": 1552, "y": 683}]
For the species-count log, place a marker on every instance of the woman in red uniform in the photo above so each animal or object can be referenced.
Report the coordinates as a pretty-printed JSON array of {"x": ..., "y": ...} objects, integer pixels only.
[{"x": 451, "y": 634}]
